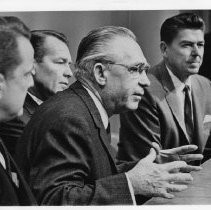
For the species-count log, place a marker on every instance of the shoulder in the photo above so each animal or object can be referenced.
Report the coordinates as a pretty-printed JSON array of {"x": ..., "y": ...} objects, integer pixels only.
[{"x": 201, "y": 82}]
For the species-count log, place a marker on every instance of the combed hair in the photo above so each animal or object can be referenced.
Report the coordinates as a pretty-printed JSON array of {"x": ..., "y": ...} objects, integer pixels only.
[
  {"x": 92, "y": 48},
  {"x": 10, "y": 29},
  {"x": 38, "y": 39},
  {"x": 173, "y": 25}
]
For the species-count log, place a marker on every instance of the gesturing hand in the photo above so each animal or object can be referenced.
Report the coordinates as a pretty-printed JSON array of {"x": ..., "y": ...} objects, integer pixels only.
[
  {"x": 179, "y": 153},
  {"x": 158, "y": 180}
]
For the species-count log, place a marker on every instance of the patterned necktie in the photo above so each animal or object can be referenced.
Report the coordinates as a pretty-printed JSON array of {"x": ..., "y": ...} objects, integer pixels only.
[{"x": 188, "y": 113}]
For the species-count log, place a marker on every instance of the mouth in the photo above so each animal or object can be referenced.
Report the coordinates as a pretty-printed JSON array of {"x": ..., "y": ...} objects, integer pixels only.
[
  {"x": 64, "y": 83},
  {"x": 194, "y": 62},
  {"x": 139, "y": 95}
]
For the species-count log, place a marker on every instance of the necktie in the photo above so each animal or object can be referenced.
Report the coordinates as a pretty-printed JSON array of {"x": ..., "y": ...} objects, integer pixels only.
[{"x": 188, "y": 113}]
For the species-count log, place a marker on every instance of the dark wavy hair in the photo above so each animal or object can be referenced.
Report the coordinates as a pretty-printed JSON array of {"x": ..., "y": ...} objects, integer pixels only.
[{"x": 173, "y": 25}]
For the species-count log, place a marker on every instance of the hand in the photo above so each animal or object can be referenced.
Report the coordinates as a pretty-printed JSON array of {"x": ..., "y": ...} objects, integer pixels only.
[
  {"x": 158, "y": 180},
  {"x": 178, "y": 153}
]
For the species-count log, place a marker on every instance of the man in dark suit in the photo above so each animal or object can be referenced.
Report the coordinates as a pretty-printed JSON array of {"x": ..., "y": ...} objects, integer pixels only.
[
  {"x": 16, "y": 68},
  {"x": 52, "y": 66},
  {"x": 65, "y": 152},
  {"x": 162, "y": 115}
]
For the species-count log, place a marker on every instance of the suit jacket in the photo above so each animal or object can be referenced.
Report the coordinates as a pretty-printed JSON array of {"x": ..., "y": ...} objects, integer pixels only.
[
  {"x": 10, "y": 194},
  {"x": 158, "y": 118},
  {"x": 66, "y": 156},
  {"x": 11, "y": 131}
]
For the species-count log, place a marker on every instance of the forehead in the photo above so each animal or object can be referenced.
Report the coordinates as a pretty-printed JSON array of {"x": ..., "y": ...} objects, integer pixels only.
[
  {"x": 26, "y": 55},
  {"x": 126, "y": 50},
  {"x": 194, "y": 35},
  {"x": 55, "y": 46}
]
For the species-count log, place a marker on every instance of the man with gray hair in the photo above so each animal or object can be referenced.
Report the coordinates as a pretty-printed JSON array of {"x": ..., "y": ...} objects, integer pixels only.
[{"x": 68, "y": 159}]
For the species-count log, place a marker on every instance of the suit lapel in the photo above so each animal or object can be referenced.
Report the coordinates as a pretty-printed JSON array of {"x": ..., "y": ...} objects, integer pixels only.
[
  {"x": 105, "y": 138},
  {"x": 171, "y": 98}
]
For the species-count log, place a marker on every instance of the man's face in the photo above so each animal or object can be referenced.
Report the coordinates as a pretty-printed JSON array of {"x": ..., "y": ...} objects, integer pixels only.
[
  {"x": 184, "y": 55},
  {"x": 18, "y": 81},
  {"x": 54, "y": 70},
  {"x": 123, "y": 88}
]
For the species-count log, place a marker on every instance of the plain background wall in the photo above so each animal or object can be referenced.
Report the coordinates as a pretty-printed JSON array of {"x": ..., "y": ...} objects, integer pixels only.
[{"x": 76, "y": 24}]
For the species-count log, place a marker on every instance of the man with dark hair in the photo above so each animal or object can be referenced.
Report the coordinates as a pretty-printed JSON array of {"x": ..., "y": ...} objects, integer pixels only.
[
  {"x": 52, "y": 66},
  {"x": 176, "y": 108},
  {"x": 16, "y": 68},
  {"x": 65, "y": 150}
]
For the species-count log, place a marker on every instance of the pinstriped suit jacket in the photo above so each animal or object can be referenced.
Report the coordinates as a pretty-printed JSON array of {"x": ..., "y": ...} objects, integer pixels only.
[{"x": 66, "y": 156}]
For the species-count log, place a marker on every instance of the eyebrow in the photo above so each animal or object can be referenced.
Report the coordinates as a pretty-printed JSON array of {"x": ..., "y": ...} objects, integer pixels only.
[{"x": 187, "y": 41}]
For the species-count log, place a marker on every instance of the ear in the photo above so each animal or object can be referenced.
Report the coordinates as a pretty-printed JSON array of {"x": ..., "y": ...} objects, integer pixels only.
[
  {"x": 2, "y": 84},
  {"x": 163, "y": 48},
  {"x": 99, "y": 74}
]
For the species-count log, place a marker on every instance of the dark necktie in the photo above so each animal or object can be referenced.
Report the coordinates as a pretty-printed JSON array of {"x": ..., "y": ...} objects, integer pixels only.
[
  {"x": 188, "y": 113},
  {"x": 108, "y": 131}
]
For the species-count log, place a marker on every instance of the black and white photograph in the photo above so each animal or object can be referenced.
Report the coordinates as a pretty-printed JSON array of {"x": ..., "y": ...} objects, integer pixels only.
[{"x": 105, "y": 103}]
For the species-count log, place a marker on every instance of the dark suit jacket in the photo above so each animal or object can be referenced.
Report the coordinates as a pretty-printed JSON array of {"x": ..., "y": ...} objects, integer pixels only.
[
  {"x": 159, "y": 119},
  {"x": 10, "y": 194},
  {"x": 68, "y": 159},
  {"x": 11, "y": 131}
]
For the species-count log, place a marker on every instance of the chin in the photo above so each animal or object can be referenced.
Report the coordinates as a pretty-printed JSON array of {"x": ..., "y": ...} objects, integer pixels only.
[
  {"x": 20, "y": 112},
  {"x": 133, "y": 106}
]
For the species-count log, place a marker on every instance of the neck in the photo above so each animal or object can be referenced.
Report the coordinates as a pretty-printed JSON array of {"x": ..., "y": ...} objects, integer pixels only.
[
  {"x": 40, "y": 91},
  {"x": 98, "y": 92},
  {"x": 5, "y": 117},
  {"x": 182, "y": 77}
]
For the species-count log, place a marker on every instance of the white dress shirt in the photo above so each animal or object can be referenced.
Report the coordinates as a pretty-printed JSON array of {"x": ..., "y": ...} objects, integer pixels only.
[{"x": 179, "y": 88}]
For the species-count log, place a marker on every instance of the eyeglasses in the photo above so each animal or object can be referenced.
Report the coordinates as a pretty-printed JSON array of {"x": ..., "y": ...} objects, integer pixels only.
[{"x": 136, "y": 70}]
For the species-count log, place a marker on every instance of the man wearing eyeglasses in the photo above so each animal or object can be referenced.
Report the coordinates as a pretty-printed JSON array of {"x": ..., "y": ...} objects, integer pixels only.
[
  {"x": 176, "y": 108},
  {"x": 68, "y": 159}
]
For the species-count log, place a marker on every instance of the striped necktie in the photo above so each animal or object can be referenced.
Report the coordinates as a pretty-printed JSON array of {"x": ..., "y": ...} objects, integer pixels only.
[{"x": 188, "y": 113}]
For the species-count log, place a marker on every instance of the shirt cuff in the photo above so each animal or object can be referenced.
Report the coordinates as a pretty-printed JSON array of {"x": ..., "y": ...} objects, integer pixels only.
[{"x": 131, "y": 189}]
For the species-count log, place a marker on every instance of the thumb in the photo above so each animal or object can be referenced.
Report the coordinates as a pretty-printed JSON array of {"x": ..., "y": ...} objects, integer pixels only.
[{"x": 151, "y": 156}]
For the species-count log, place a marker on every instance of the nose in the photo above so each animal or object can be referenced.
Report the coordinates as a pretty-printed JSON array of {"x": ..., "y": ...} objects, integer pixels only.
[
  {"x": 68, "y": 72},
  {"x": 195, "y": 50},
  {"x": 144, "y": 80}
]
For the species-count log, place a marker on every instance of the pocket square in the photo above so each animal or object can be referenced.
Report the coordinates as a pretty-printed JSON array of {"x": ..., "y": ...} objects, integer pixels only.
[{"x": 207, "y": 119}]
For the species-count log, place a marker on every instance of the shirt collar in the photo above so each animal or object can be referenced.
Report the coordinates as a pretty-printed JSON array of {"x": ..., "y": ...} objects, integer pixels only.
[
  {"x": 177, "y": 83},
  {"x": 35, "y": 99},
  {"x": 102, "y": 111}
]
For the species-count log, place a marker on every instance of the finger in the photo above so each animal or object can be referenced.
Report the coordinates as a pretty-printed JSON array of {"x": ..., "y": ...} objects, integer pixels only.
[
  {"x": 179, "y": 177},
  {"x": 172, "y": 166},
  {"x": 165, "y": 194},
  {"x": 182, "y": 150},
  {"x": 176, "y": 187},
  {"x": 156, "y": 147},
  {"x": 191, "y": 157},
  {"x": 150, "y": 157},
  {"x": 190, "y": 168}
]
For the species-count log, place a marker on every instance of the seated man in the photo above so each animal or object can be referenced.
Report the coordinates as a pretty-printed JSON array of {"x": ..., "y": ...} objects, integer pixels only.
[
  {"x": 65, "y": 150},
  {"x": 16, "y": 67},
  {"x": 52, "y": 66},
  {"x": 176, "y": 108}
]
